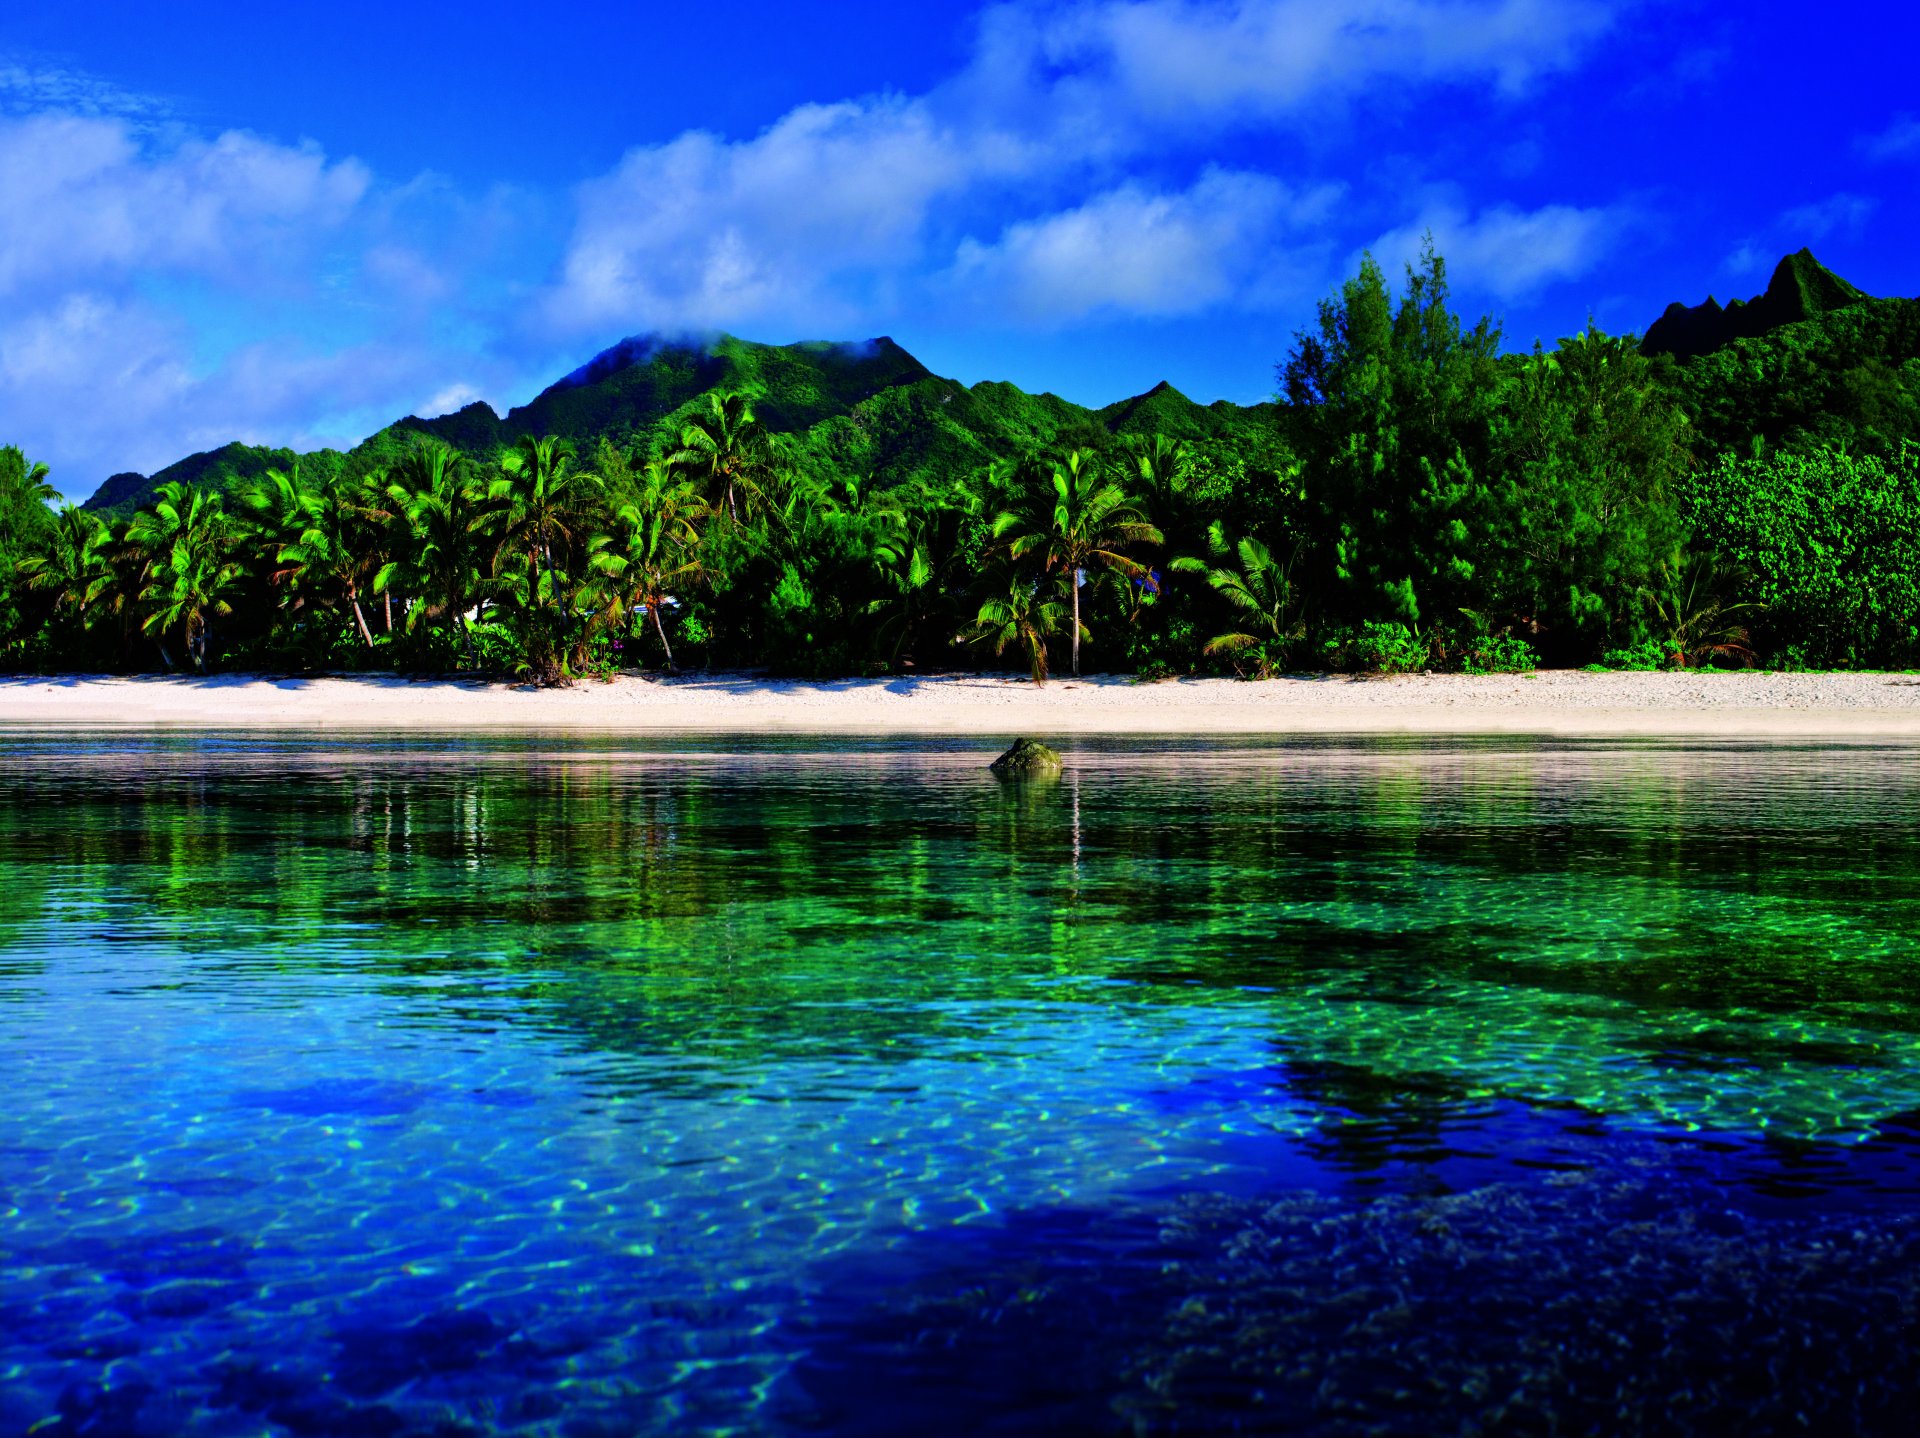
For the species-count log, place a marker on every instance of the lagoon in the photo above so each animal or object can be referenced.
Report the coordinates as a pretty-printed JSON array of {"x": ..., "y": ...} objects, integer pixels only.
[{"x": 482, "y": 1084}]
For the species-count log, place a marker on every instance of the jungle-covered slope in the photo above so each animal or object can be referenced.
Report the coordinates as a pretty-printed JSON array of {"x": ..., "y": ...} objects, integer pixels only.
[{"x": 866, "y": 410}]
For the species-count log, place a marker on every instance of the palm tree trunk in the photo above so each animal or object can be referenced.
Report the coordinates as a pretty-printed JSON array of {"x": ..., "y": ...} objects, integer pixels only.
[
  {"x": 386, "y": 598},
  {"x": 360, "y": 619},
  {"x": 1073, "y": 578},
  {"x": 661, "y": 630}
]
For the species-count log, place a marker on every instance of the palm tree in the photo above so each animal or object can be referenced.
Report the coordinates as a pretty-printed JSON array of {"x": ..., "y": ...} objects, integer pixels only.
[
  {"x": 328, "y": 554},
  {"x": 1261, "y": 588},
  {"x": 69, "y": 561},
  {"x": 1161, "y": 467},
  {"x": 1075, "y": 519},
  {"x": 1027, "y": 614},
  {"x": 440, "y": 563},
  {"x": 728, "y": 454},
  {"x": 535, "y": 509},
  {"x": 190, "y": 569},
  {"x": 1692, "y": 605},
  {"x": 535, "y": 505},
  {"x": 653, "y": 550},
  {"x": 29, "y": 479}
]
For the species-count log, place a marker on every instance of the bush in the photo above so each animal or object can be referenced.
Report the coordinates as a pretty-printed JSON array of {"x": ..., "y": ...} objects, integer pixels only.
[
  {"x": 1647, "y": 654},
  {"x": 1831, "y": 541},
  {"x": 1499, "y": 654},
  {"x": 1376, "y": 649}
]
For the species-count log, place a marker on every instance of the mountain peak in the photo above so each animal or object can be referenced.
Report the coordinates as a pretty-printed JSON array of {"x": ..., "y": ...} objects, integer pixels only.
[{"x": 1801, "y": 288}]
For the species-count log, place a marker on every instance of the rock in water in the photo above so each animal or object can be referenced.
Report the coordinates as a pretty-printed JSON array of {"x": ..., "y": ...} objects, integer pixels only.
[{"x": 1027, "y": 756}]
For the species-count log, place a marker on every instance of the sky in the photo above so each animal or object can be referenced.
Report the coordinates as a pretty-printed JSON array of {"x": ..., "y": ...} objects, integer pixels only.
[{"x": 293, "y": 225}]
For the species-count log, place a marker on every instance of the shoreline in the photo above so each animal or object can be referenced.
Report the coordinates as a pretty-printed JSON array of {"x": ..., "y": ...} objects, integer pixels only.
[{"x": 1568, "y": 703}]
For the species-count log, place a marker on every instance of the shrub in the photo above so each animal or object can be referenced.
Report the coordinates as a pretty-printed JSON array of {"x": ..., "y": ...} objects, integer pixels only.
[
  {"x": 1499, "y": 654},
  {"x": 1647, "y": 654},
  {"x": 1376, "y": 649}
]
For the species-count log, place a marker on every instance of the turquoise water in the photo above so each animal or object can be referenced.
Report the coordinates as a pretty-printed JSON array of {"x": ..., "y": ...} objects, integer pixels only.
[{"x": 442, "y": 1086}]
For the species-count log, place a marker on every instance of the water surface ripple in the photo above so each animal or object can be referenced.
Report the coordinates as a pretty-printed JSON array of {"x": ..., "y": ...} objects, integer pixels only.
[{"x": 439, "y": 1086}]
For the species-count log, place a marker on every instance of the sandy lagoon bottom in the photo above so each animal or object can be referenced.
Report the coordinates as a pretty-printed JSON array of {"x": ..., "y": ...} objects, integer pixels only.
[{"x": 467, "y": 1085}]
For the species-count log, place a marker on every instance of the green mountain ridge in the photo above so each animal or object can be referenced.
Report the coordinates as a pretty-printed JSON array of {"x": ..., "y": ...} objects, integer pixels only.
[
  {"x": 1810, "y": 357},
  {"x": 1801, "y": 289},
  {"x": 867, "y": 409}
]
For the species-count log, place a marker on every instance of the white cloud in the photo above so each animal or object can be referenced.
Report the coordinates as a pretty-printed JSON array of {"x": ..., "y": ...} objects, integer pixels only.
[
  {"x": 702, "y": 233},
  {"x": 1748, "y": 259},
  {"x": 1503, "y": 251},
  {"x": 1136, "y": 251},
  {"x": 1899, "y": 141},
  {"x": 122, "y": 366},
  {"x": 831, "y": 215},
  {"x": 1189, "y": 59},
  {"x": 35, "y": 88},
  {"x": 1837, "y": 214},
  {"x": 80, "y": 197}
]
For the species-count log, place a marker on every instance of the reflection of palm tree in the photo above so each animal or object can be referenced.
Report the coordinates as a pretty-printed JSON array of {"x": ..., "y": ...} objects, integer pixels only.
[
  {"x": 727, "y": 453},
  {"x": 1026, "y": 615},
  {"x": 190, "y": 567},
  {"x": 1075, "y": 519},
  {"x": 654, "y": 549}
]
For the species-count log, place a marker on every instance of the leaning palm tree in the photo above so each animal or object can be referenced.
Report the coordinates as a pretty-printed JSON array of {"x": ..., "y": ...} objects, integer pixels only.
[
  {"x": 1074, "y": 518},
  {"x": 728, "y": 454},
  {"x": 191, "y": 568},
  {"x": 653, "y": 550},
  {"x": 1261, "y": 589},
  {"x": 1027, "y": 613}
]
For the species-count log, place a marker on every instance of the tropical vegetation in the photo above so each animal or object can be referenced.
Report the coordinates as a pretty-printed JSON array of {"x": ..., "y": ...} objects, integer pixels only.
[{"x": 1414, "y": 497}]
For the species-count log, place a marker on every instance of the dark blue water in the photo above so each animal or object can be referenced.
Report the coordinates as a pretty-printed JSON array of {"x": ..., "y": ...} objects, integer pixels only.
[{"x": 535, "y": 1088}]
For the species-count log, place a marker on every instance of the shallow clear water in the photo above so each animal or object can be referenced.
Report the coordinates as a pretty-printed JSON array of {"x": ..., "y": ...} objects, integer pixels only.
[{"x": 550, "y": 1088}]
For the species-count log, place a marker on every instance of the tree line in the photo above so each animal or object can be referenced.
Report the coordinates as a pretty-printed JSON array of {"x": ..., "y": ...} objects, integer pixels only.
[{"x": 1435, "y": 504}]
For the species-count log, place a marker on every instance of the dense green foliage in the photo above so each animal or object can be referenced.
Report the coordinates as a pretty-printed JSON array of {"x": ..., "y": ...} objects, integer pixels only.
[{"x": 1414, "y": 499}]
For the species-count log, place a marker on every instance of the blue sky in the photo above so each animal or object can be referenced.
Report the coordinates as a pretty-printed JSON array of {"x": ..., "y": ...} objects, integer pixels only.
[{"x": 224, "y": 221}]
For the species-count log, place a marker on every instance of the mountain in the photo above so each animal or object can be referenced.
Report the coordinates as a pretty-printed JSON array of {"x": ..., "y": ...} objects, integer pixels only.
[
  {"x": 867, "y": 409},
  {"x": 1800, "y": 289}
]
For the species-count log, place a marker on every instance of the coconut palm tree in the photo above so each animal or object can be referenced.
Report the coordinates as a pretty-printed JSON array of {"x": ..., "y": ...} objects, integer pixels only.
[
  {"x": 1027, "y": 612},
  {"x": 327, "y": 557},
  {"x": 68, "y": 562},
  {"x": 728, "y": 454},
  {"x": 537, "y": 509},
  {"x": 1074, "y": 518},
  {"x": 190, "y": 568},
  {"x": 535, "y": 506},
  {"x": 1260, "y": 587},
  {"x": 440, "y": 562},
  {"x": 652, "y": 551}
]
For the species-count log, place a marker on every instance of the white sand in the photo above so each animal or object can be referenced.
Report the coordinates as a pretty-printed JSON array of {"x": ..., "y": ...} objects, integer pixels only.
[{"x": 1556, "y": 702}]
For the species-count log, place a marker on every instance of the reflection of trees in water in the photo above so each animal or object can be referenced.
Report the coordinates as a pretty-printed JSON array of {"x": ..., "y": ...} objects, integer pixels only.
[{"x": 763, "y": 910}]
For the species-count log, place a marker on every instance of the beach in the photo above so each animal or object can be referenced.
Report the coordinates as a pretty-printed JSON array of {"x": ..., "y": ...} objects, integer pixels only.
[{"x": 1556, "y": 702}]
